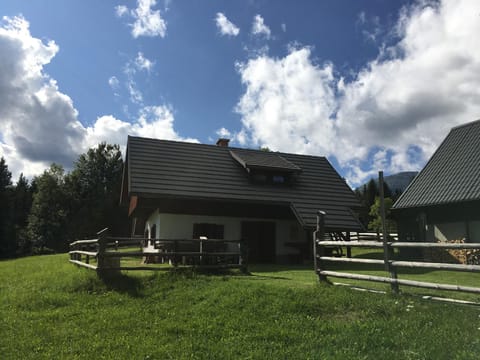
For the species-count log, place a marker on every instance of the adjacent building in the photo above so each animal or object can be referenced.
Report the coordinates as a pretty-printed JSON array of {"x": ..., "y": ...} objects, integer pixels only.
[{"x": 443, "y": 201}]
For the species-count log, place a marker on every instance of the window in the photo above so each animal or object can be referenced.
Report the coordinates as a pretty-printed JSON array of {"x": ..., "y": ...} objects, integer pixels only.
[
  {"x": 211, "y": 231},
  {"x": 278, "y": 179},
  {"x": 271, "y": 178}
]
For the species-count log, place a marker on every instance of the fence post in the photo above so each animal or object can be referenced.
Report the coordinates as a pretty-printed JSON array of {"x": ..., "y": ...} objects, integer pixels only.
[
  {"x": 349, "y": 248},
  {"x": 318, "y": 235},
  {"x": 175, "y": 256},
  {"x": 102, "y": 247},
  {"x": 243, "y": 258},
  {"x": 386, "y": 247},
  {"x": 72, "y": 248}
]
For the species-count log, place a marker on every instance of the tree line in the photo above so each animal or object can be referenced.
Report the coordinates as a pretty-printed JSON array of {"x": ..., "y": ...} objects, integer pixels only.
[
  {"x": 45, "y": 214},
  {"x": 369, "y": 196}
]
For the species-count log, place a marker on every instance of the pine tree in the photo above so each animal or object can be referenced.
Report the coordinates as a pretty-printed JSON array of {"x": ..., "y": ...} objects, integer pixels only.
[
  {"x": 22, "y": 203},
  {"x": 94, "y": 189},
  {"x": 7, "y": 240},
  {"x": 48, "y": 215}
]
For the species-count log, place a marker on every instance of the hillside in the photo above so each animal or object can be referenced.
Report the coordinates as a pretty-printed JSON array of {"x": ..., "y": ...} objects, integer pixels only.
[
  {"x": 396, "y": 182},
  {"x": 400, "y": 181},
  {"x": 50, "y": 309}
]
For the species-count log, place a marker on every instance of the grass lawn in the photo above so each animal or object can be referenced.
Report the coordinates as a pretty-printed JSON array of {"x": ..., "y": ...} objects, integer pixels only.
[{"x": 50, "y": 309}]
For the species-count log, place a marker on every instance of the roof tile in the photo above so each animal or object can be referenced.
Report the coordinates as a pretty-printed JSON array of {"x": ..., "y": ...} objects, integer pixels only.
[
  {"x": 451, "y": 175},
  {"x": 162, "y": 167}
]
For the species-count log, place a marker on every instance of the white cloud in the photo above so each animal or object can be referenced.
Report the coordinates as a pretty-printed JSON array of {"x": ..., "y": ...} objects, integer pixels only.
[
  {"x": 256, "y": 51},
  {"x": 225, "y": 26},
  {"x": 37, "y": 121},
  {"x": 395, "y": 112},
  {"x": 361, "y": 18},
  {"x": 284, "y": 27},
  {"x": 114, "y": 83},
  {"x": 370, "y": 25},
  {"x": 414, "y": 98},
  {"x": 142, "y": 63},
  {"x": 131, "y": 67},
  {"x": 167, "y": 4},
  {"x": 121, "y": 10},
  {"x": 157, "y": 122},
  {"x": 287, "y": 101},
  {"x": 146, "y": 21},
  {"x": 136, "y": 95},
  {"x": 39, "y": 124},
  {"x": 223, "y": 133},
  {"x": 259, "y": 27},
  {"x": 152, "y": 122}
]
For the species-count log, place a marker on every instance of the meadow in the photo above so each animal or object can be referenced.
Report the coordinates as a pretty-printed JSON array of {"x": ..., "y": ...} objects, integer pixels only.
[{"x": 50, "y": 309}]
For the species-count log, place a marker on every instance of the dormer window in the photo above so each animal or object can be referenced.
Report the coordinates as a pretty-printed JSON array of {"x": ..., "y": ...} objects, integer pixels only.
[
  {"x": 266, "y": 167},
  {"x": 265, "y": 177},
  {"x": 278, "y": 179}
]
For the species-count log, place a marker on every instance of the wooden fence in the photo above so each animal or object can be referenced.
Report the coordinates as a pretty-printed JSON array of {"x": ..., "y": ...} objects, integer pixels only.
[
  {"x": 371, "y": 236},
  {"x": 391, "y": 265},
  {"x": 104, "y": 254}
]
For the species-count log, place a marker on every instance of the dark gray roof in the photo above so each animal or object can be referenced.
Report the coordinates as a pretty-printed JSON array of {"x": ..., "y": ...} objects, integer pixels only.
[
  {"x": 263, "y": 160},
  {"x": 452, "y": 175},
  {"x": 157, "y": 168}
]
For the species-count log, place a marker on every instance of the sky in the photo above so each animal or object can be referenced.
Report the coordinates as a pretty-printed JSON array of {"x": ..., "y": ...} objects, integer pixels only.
[{"x": 370, "y": 84}]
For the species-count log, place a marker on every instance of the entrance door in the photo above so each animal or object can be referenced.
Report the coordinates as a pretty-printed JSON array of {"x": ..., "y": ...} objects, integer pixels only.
[{"x": 260, "y": 238}]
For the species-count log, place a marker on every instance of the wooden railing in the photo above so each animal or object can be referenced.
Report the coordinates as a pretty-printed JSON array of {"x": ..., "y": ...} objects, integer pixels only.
[
  {"x": 321, "y": 262},
  {"x": 105, "y": 253},
  {"x": 371, "y": 236}
]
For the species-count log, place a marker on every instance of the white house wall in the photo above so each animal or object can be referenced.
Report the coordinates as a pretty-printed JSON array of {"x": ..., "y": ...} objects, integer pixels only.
[
  {"x": 154, "y": 219},
  {"x": 177, "y": 226}
]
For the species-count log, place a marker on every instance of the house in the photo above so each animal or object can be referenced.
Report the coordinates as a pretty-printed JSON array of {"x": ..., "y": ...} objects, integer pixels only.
[
  {"x": 180, "y": 190},
  {"x": 443, "y": 201}
]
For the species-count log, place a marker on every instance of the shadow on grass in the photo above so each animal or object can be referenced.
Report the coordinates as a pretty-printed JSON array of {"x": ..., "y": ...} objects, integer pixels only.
[
  {"x": 266, "y": 277},
  {"x": 191, "y": 272},
  {"x": 272, "y": 268},
  {"x": 136, "y": 286},
  {"x": 124, "y": 284}
]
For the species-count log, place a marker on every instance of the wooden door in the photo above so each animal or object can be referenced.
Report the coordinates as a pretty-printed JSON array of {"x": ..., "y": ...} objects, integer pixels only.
[{"x": 260, "y": 239}]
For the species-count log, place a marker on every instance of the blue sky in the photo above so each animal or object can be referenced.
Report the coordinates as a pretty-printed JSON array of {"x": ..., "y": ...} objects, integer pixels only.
[{"x": 372, "y": 85}]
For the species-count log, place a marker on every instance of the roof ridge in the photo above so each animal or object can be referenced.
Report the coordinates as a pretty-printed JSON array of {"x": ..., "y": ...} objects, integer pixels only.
[
  {"x": 465, "y": 125},
  {"x": 279, "y": 153}
]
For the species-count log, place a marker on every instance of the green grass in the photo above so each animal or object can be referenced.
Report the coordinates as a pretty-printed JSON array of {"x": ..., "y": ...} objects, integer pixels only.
[{"x": 50, "y": 309}]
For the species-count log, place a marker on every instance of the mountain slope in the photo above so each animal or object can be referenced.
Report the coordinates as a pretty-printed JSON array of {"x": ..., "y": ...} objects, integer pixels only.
[{"x": 396, "y": 182}]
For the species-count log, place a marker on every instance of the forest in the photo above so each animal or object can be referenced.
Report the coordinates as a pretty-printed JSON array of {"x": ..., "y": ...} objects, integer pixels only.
[{"x": 44, "y": 214}]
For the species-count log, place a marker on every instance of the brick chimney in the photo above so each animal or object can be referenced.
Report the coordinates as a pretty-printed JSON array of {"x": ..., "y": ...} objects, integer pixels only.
[{"x": 223, "y": 142}]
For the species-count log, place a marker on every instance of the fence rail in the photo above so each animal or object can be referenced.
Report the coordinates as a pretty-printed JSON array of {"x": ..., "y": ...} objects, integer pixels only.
[
  {"x": 388, "y": 243},
  {"x": 391, "y": 265},
  {"x": 371, "y": 236},
  {"x": 107, "y": 253}
]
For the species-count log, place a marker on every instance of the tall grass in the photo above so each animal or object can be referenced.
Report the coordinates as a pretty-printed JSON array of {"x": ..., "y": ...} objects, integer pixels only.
[{"x": 50, "y": 309}]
